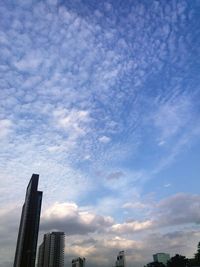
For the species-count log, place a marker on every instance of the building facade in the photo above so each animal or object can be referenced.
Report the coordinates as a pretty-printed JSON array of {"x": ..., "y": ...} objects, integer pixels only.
[
  {"x": 121, "y": 261},
  {"x": 161, "y": 257},
  {"x": 51, "y": 251},
  {"x": 155, "y": 264},
  {"x": 78, "y": 262},
  {"x": 29, "y": 226}
]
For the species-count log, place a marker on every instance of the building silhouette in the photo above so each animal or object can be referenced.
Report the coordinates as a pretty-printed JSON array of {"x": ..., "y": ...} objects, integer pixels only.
[
  {"x": 121, "y": 262},
  {"x": 51, "y": 251},
  {"x": 155, "y": 264},
  {"x": 29, "y": 225},
  {"x": 161, "y": 257},
  {"x": 78, "y": 262}
]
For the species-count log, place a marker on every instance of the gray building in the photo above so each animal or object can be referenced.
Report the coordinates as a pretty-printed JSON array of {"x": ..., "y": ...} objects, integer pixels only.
[
  {"x": 121, "y": 261},
  {"x": 29, "y": 226},
  {"x": 161, "y": 257},
  {"x": 51, "y": 251},
  {"x": 78, "y": 262}
]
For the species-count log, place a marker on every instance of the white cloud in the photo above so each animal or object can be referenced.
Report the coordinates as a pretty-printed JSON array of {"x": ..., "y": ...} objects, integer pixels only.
[
  {"x": 70, "y": 218},
  {"x": 74, "y": 122},
  {"x": 135, "y": 205},
  {"x": 118, "y": 242},
  {"x": 70, "y": 81},
  {"x": 104, "y": 139},
  {"x": 130, "y": 227},
  {"x": 30, "y": 62},
  {"x": 171, "y": 118},
  {"x": 94, "y": 236},
  {"x": 60, "y": 210},
  {"x": 5, "y": 127},
  {"x": 167, "y": 185},
  {"x": 81, "y": 251}
]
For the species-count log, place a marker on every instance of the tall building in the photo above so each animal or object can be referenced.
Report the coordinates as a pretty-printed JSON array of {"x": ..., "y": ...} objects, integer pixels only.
[
  {"x": 121, "y": 262},
  {"x": 40, "y": 255},
  {"x": 79, "y": 262},
  {"x": 29, "y": 225},
  {"x": 161, "y": 257},
  {"x": 51, "y": 251}
]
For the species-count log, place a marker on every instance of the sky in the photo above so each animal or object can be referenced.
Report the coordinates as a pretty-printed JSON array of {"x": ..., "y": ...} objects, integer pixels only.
[{"x": 102, "y": 99}]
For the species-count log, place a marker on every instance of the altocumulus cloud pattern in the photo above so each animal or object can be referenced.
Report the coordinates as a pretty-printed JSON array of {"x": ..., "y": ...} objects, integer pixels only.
[{"x": 102, "y": 99}]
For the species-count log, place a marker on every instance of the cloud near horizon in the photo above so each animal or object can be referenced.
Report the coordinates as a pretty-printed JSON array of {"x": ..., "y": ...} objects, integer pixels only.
[{"x": 90, "y": 234}]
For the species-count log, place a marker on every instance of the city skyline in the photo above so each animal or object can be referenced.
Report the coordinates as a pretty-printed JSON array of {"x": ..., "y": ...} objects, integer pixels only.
[{"x": 101, "y": 98}]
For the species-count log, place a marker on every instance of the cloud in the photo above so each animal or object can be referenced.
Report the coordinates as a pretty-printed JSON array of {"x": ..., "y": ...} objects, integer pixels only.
[
  {"x": 167, "y": 185},
  {"x": 9, "y": 216},
  {"x": 6, "y": 264},
  {"x": 69, "y": 218},
  {"x": 81, "y": 251},
  {"x": 178, "y": 209},
  {"x": 115, "y": 175},
  {"x": 73, "y": 77},
  {"x": 171, "y": 118},
  {"x": 121, "y": 243},
  {"x": 104, "y": 249},
  {"x": 104, "y": 139},
  {"x": 91, "y": 83},
  {"x": 5, "y": 127},
  {"x": 74, "y": 122},
  {"x": 30, "y": 61},
  {"x": 96, "y": 236},
  {"x": 135, "y": 205},
  {"x": 130, "y": 227}
]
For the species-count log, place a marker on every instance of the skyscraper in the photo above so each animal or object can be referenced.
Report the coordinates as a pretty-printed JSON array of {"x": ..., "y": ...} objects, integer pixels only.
[
  {"x": 51, "y": 251},
  {"x": 120, "y": 262},
  {"x": 79, "y": 262},
  {"x": 29, "y": 225}
]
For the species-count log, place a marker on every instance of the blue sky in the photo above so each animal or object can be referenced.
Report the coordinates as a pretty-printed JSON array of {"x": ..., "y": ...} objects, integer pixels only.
[{"x": 101, "y": 98}]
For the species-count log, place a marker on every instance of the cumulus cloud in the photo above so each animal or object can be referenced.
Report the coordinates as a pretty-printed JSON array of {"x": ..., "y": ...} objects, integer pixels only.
[
  {"x": 69, "y": 218},
  {"x": 121, "y": 243},
  {"x": 130, "y": 227},
  {"x": 179, "y": 209},
  {"x": 95, "y": 236}
]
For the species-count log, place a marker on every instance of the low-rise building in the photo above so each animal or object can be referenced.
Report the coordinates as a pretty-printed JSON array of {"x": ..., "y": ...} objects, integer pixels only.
[{"x": 161, "y": 257}]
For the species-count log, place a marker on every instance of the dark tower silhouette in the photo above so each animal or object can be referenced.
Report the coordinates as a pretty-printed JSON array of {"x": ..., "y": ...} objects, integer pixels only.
[{"x": 29, "y": 225}]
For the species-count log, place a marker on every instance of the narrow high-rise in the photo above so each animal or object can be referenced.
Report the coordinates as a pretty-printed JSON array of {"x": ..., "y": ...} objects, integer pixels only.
[
  {"x": 120, "y": 262},
  {"x": 78, "y": 262},
  {"x": 29, "y": 226},
  {"x": 51, "y": 251}
]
